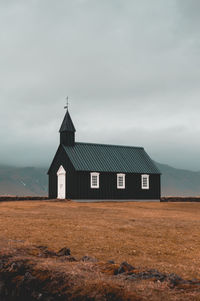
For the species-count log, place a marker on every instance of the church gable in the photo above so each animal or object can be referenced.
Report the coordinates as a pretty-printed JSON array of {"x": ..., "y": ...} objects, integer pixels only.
[{"x": 59, "y": 159}]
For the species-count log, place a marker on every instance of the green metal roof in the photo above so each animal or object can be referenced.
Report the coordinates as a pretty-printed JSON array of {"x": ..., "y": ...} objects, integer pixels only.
[{"x": 110, "y": 158}]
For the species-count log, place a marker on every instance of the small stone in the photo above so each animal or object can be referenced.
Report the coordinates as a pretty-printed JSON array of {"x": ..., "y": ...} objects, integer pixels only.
[
  {"x": 64, "y": 252},
  {"x": 125, "y": 267},
  {"x": 88, "y": 259},
  {"x": 28, "y": 276},
  {"x": 45, "y": 252},
  {"x": 39, "y": 296},
  {"x": 175, "y": 279},
  {"x": 111, "y": 261},
  {"x": 67, "y": 258}
]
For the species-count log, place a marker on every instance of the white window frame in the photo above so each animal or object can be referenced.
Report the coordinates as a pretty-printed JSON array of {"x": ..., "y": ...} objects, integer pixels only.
[
  {"x": 94, "y": 174},
  {"x": 142, "y": 181},
  {"x": 121, "y": 175}
]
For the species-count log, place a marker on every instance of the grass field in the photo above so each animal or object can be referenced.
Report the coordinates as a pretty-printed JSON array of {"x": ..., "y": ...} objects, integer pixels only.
[{"x": 164, "y": 236}]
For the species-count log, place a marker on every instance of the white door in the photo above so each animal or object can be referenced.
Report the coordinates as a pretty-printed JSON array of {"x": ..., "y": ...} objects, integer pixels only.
[{"x": 61, "y": 175}]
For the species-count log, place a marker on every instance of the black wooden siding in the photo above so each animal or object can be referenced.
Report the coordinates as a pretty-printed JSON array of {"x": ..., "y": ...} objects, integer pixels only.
[
  {"x": 67, "y": 139},
  {"x": 78, "y": 183},
  {"x": 108, "y": 187}
]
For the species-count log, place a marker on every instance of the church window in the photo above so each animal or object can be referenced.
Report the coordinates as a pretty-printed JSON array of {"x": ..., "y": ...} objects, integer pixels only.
[
  {"x": 145, "y": 181},
  {"x": 120, "y": 181},
  {"x": 94, "y": 180}
]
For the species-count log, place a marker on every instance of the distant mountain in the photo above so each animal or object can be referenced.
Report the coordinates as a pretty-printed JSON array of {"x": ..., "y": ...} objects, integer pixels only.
[
  {"x": 28, "y": 181},
  {"x": 32, "y": 181},
  {"x": 179, "y": 182}
]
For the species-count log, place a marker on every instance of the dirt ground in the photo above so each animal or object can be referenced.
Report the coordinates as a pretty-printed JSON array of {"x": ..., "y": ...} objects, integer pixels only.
[{"x": 163, "y": 236}]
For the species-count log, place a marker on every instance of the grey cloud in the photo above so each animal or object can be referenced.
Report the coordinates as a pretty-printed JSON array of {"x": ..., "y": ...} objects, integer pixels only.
[{"x": 131, "y": 69}]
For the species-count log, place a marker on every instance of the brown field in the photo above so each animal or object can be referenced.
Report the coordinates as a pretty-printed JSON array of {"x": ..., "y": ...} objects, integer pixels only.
[{"x": 163, "y": 236}]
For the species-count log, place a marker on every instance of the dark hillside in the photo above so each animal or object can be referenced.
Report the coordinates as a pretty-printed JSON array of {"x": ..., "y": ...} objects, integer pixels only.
[
  {"x": 179, "y": 182},
  {"x": 23, "y": 181}
]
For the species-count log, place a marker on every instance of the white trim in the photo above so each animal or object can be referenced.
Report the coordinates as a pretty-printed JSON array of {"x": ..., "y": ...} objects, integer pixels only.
[
  {"x": 61, "y": 183},
  {"x": 61, "y": 171},
  {"x": 121, "y": 177},
  {"x": 92, "y": 184},
  {"x": 145, "y": 181}
]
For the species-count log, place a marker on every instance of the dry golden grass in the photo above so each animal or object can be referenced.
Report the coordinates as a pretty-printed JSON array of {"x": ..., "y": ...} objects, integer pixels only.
[{"x": 164, "y": 236}]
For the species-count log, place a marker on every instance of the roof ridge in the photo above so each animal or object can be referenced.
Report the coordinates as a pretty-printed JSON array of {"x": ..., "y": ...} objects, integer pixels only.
[{"x": 107, "y": 144}]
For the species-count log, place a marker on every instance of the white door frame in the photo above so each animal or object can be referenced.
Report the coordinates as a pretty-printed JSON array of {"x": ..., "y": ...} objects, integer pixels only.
[{"x": 61, "y": 181}]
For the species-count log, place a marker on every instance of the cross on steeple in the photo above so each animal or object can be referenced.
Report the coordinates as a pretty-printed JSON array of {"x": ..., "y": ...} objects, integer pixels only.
[{"x": 67, "y": 103}]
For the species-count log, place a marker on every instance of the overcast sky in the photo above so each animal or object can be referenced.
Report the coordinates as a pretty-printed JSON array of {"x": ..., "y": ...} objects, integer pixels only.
[{"x": 131, "y": 69}]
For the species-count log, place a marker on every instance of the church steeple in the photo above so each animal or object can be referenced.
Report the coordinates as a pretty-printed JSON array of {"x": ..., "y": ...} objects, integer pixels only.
[{"x": 67, "y": 131}]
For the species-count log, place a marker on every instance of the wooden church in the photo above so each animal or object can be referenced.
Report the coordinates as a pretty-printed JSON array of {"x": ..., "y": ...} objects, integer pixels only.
[{"x": 90, "y": 171}]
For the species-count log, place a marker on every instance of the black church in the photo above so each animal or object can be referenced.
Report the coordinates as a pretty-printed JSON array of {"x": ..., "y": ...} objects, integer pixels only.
[{"x": 90, "y": 171}]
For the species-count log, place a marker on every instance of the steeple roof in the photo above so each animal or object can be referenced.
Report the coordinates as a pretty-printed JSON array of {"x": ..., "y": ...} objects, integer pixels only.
[{"x": 67, "y": 124}]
